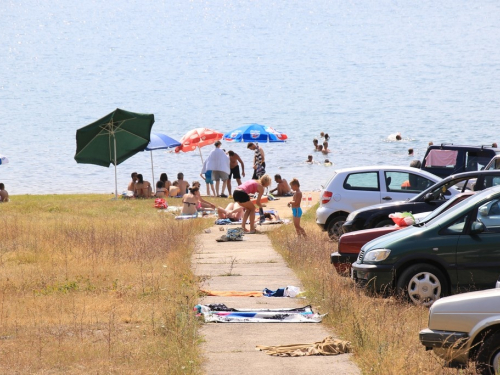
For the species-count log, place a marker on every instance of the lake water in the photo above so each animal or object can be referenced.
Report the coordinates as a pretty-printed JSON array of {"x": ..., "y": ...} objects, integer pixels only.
[{"x": 358, "y": 70}]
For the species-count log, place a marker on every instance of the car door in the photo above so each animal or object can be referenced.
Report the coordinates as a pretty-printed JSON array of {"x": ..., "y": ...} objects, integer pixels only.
[
  {"x": 478, "y": 255},
  {"x": 362, "y": 189},
  {"x": 402, "y": 185}
]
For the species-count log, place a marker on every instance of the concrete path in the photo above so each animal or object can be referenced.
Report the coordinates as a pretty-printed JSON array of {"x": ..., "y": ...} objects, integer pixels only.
[{"x": 248, "y": 265}]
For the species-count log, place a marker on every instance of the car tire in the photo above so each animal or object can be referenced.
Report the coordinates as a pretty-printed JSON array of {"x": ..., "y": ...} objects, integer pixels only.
[
  {"x": 488, "y": 355},
  {"x": 385, "y": 223},
  {"x": 335, "y": 227},
  {"x": 422, "y": 284}
]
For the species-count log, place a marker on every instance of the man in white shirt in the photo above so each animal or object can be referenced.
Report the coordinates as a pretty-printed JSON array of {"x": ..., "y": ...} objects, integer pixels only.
[{"x": 218, "y": 163}]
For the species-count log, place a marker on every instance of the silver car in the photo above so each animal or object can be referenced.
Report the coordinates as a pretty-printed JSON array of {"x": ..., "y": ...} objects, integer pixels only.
[
  {"x": 466, "y": 327},
  {"x": 354, "y": 188}
]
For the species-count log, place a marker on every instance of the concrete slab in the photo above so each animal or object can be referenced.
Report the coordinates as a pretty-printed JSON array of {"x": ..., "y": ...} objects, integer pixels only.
[{"x": 250, "y": 265}]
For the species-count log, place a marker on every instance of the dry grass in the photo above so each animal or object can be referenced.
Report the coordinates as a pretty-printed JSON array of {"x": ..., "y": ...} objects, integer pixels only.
[
  {"x": 383, "y": 331},
  {"x": 91, "y": 285}
]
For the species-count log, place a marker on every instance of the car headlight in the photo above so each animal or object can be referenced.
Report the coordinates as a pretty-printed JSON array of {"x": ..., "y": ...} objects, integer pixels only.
[{"x": 376, "y": 255}]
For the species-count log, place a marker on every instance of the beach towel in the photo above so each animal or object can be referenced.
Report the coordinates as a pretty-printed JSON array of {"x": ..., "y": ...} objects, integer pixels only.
[
  {"x": 328, "y": 346},
  {"x": 222, "y": 314},
  {"x": 288, "y": 291},
  {"x": 186, "y": 217}
]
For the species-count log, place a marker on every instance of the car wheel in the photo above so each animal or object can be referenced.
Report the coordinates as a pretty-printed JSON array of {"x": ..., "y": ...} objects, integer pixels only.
[
  {"x": 488, "y": 356},
  {"x": 335, "y": 227},
  {"x": 385, "y": 223},
  {"x": 422, "y": 284}
]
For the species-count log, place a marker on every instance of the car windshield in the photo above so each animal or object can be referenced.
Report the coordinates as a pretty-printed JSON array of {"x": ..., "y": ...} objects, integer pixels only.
[
  {"x": 442, "y": 190},
  {"x": 444, "y": 207}
]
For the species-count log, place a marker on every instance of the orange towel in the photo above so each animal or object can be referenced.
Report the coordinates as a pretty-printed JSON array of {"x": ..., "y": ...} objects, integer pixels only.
[
  {"x": 262, "y": 200},
  {"x": 232, "y": 293}
]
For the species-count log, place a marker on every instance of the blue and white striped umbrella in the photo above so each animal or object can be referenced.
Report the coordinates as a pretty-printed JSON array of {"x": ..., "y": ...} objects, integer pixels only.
[{"x": 3, "y": 160}]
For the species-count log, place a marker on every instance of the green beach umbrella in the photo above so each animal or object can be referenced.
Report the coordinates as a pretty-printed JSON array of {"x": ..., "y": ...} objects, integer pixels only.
[{"x": 113, "y": 139}]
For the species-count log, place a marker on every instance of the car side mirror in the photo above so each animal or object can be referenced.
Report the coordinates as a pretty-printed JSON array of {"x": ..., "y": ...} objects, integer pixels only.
[
  {"x": 477, "y": 227},
  {"x": 428, "y": 197},
  {"x": 483, "y": 211}
]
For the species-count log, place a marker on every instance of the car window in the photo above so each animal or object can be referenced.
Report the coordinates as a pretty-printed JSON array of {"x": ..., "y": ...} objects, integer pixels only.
[
  {"x": 489, "y": 215},
  {"x": 476, "y": 161},
  {"x": 362, "y": 181},
  {"x": 490, "y": 181},
  {"x": 456, "y": 227},
  {"x": 441, "y": 158},
  {"x": 495, "y": 164},
  {"x": 406, "y": 182}
]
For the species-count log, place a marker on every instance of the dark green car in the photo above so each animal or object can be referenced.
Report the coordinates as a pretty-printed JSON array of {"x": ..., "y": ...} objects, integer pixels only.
[{"x": 455, "y": 252}]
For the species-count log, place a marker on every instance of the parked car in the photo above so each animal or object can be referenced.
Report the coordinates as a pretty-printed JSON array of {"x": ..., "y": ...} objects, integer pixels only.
[
  {"x": 494, "y": 163},
  {"x": 350, "y": 244},
  {"x": 452, "y": 253},
  {"x": 466, "y": 328},
  {"x": 353, "y": 188},
  {"x": 377, "y": 216},
  {"x": 447, "y": 159}
]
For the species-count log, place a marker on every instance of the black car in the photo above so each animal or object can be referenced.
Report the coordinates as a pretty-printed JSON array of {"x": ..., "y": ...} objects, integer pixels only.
[
  {"x": 428, "y": 200},
  {"x": 447, "y": 159}
]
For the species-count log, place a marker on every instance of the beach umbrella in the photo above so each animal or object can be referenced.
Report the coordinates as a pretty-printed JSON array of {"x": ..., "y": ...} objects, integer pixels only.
[
  {"x": 3, "y": 160},
  {"x": 113, "y": 139},
  {"x": 255, "y": 133},
  {"x": 197, "y": 138},
  {"x": 159, "y": 141}
]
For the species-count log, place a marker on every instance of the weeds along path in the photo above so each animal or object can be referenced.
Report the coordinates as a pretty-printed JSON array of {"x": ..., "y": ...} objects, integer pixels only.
[{"x": 249, "y": 265}]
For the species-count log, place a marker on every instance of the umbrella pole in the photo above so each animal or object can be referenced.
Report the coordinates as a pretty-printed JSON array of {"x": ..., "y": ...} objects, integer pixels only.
[
  {"x": 116, "y": 179},
  {"x": 153, "y": 171},
  {"x": 199, "y": 149}
]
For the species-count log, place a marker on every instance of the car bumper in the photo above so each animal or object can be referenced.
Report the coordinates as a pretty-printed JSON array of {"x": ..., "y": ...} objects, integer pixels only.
[
  {"x": 449, "y": 345},
  {"x": 322, "y": 215},
  {"x": 342, "y": 262},
  {"x": 375, "y": 277}
]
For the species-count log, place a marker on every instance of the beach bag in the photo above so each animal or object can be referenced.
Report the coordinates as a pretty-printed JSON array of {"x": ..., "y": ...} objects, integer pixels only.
[
  {"x": 402, "y": 219},
  {"x": 235, "y": 234},
  {"x": 161, "y": 203}
]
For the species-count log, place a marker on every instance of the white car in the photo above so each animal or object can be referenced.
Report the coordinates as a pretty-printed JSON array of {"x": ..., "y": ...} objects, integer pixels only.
[
  {"x": 354, "y": 188},
  {"x": 466, "y": 327}
]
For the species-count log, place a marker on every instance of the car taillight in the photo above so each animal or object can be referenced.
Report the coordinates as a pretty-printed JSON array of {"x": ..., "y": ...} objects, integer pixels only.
[{"x": 326, "y": 197}]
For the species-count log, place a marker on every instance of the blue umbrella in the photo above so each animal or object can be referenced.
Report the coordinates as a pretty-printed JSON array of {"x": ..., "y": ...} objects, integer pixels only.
[
  {"x": 159, "y": 141},
  {"x": 255, "y": 133}
]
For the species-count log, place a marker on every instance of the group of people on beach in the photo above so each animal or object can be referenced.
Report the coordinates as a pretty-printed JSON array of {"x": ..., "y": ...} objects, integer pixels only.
[{"x": 221, "y": 166}]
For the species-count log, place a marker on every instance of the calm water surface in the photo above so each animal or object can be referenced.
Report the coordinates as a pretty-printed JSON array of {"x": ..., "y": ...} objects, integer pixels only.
[{"x": 358, "y": 70}]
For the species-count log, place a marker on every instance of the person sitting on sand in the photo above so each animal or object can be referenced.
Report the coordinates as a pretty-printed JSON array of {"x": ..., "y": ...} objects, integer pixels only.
[
  {"x": 190, "y": 202},
  {"x": 174, "y": 190},
  {"x": 282, "y": 189},
  {"x": 142, "y": 188},
  {"x": 131, "y": 184},
  {"x": 241, "y": 196},
  {"x": 160, "y": 190},
  {"x": 233, "y": 212},
  {"x": 4, "y": 195},
  {"x": 309, "y": 159},
  {"x": 183, "y": 185},
  {"x": 202, "y": 203}
]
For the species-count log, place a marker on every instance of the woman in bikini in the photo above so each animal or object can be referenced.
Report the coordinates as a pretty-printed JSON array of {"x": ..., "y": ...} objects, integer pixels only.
[
  {"x": 190, "y": 202},
  {"x": 241, "y": 195},
  {"x": 166, "y": 182},
  {"x": 142, "y": 188}
]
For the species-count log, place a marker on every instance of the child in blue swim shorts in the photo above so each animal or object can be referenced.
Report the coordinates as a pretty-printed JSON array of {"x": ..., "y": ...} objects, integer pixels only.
[{"x": 295, "y": 204}]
